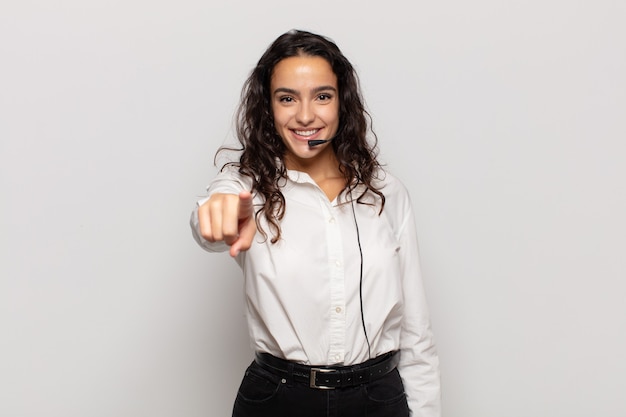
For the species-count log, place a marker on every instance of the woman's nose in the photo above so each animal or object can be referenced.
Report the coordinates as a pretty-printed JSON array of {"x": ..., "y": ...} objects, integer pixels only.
[{"x": 305, "y": 114}]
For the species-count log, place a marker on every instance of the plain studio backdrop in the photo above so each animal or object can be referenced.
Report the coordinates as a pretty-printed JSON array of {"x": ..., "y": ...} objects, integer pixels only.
[{"x": 505, "y": 120}]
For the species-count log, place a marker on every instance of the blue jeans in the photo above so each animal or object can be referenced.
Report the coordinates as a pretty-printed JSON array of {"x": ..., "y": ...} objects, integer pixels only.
[{"x": 263, "y": 394}]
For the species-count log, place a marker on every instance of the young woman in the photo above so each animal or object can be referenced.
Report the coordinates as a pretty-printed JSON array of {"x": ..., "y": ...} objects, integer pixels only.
[{"x": 327, "y": 244}]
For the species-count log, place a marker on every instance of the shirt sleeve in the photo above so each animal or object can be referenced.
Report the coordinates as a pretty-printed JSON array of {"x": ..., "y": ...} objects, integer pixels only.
[
  {"x": 228, "y": 181},
  {"x": 419, "y": 362}
]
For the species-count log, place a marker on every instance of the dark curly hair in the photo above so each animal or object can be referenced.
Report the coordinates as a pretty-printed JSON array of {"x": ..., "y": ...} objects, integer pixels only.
[{"x": 262, "y": 149}]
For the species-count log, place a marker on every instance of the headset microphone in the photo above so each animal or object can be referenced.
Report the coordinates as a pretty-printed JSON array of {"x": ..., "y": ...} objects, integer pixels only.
[
  {"x": 313, "y": 143},
  {"x": 316, "y": 142}
]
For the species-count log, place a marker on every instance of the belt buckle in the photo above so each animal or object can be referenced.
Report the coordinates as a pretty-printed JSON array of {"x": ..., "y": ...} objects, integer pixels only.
[{"x": 313, "y": 374}]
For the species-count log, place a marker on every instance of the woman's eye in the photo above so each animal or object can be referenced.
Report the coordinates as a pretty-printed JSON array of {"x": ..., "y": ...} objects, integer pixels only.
[
  {"x": 324, "y": 97},
  {"x": 286, "y": 99}
]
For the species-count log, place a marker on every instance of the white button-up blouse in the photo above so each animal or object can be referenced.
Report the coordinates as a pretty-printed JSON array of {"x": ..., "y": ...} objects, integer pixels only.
[{"x": 302, "y": 293}]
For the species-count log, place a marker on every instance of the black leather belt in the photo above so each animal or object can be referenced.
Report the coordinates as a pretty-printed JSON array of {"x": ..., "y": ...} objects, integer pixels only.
[{"x": 329, "y": 377}]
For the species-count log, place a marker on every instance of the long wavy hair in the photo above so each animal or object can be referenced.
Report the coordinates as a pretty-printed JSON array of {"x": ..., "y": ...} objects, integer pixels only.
[{"x": 262, "y": 148}]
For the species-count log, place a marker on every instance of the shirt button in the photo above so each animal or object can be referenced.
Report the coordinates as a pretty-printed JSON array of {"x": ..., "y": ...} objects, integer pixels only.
[
  {"x": 337, "y": 263},
  {"x": 338, "y": 309},
  {"x": 331, "y": 220}
]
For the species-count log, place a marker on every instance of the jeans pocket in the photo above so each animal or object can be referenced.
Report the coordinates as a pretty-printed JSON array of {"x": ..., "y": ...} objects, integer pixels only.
[
  {"x": 387, "y": 390},
  {"x": 258, "y": 386}
]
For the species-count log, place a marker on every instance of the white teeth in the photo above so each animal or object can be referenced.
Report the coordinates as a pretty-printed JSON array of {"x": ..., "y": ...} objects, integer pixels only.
[{"x": 306, "y": 132}]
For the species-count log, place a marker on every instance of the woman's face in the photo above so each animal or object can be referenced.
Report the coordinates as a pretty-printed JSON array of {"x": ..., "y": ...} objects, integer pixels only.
[{"x": 305, "y": 104}]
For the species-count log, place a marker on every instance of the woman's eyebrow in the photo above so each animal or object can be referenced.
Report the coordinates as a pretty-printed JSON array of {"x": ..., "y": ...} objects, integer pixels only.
[
  {"x": 286, "y": 90},
  {"x": 324, "y": 88}
]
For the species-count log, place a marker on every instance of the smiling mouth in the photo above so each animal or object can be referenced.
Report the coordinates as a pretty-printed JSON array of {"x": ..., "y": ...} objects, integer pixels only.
[{"x": 306, "y": 133}]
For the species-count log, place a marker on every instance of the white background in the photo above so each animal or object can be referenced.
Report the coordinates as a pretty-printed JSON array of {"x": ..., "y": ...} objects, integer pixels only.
[{"x": 505, "y": 119}]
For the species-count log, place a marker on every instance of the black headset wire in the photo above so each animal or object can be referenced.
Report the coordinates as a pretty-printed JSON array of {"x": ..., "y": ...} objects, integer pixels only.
[{"x": 358, "y": 239}]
